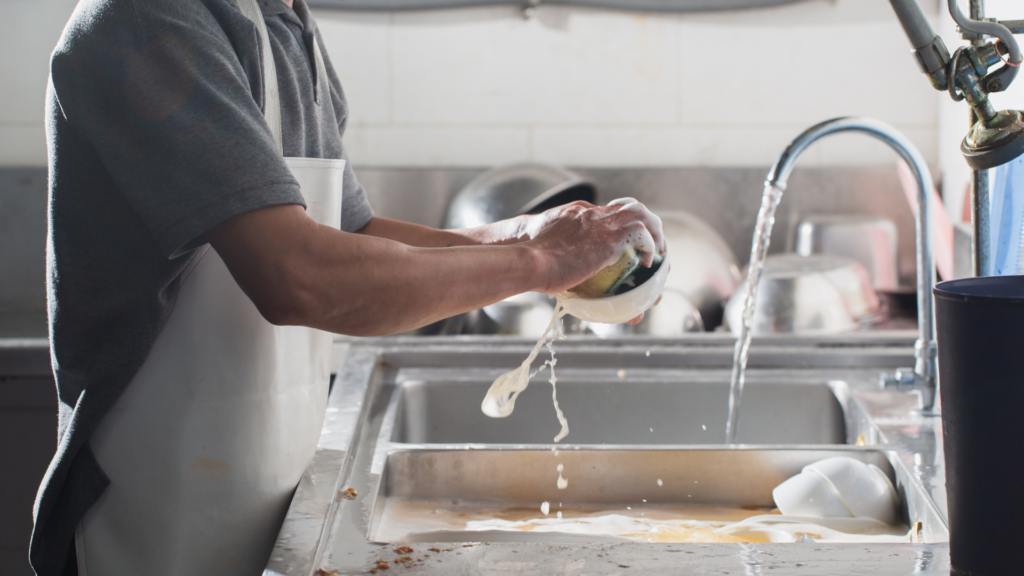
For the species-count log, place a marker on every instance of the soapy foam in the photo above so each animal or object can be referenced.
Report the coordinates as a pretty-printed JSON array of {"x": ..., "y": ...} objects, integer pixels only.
[
  {"x": 649, "y": 225},
  {"x": 640, "y": 234}
]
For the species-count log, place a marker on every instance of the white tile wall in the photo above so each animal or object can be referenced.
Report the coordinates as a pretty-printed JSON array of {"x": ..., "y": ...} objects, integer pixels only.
[
  {"x": 476, "y": 87},
  {"x": 597, "y": 88},
  {"x": 799, "y": 75},
  {"x": 435, "y": 145},
  {"x": 360, "y": 49},
  {"x": 593, "y": 69}
]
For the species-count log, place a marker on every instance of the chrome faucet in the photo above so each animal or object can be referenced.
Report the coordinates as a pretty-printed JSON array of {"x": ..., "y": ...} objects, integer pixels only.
[{"x": 922, "y": 378}]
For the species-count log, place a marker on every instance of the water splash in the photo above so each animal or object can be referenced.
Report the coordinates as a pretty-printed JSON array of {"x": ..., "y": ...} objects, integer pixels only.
[
  {"x": 500, "y": 400},
  {"x": 758, "y": 251},
  {"x": 558, "y": 334}
]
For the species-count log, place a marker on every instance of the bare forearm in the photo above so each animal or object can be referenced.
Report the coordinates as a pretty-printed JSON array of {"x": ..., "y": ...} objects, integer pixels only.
[
  {"x": 505, "y": 232},
  {"x": 387, "y": 288},
  {"x": 363, "y": 285},
  {"x": 393, "y": 277}
]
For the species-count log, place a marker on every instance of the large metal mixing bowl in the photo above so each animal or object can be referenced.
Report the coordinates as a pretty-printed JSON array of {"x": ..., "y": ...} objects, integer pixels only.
[
  {"x": 704, "y": 268},
  {"x": 809, "y": 295},
  {"x": 513, "y": 190}
]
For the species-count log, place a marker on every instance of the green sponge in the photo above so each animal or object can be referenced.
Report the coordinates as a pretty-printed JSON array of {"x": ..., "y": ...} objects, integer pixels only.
[{"x": 605, "y": 282}]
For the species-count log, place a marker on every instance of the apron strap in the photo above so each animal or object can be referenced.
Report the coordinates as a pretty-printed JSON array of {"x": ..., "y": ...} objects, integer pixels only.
[
  {"x": 323, "y": 86},
  {"x": 271, "y": 91}
]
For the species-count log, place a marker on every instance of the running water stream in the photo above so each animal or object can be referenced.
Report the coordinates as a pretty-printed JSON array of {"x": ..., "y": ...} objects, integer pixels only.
[{"x": 758, "y": 251}]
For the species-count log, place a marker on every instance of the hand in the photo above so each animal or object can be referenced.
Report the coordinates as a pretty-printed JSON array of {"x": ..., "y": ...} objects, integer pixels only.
[{"x": 576, "y": 240}]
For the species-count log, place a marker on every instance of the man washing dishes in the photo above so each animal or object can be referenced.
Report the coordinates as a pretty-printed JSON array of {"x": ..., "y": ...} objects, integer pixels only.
[{"x": 207, "y": 236}]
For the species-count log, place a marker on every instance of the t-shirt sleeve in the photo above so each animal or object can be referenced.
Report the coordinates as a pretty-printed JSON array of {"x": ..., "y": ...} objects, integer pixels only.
[
  {"x": 355, "y": 207},
  {"x": 356, "y": 211},
  {"x": 157, "y": 89}
]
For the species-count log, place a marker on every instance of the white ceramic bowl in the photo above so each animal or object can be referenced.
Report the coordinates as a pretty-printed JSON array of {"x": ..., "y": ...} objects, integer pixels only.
[
  {"x": 839, "y": 487},
  {"x": 622, "y": 307},
  {"x": 810, "y": 495},
  {"x": 867, "y": 491}
]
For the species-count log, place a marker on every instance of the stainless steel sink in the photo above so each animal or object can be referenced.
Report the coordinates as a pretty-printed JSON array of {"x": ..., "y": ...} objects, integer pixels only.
[
  {"x": 461, "y": 481},
  {"x": 620, "y": 411},
  {"x": 404, "y": 426}
]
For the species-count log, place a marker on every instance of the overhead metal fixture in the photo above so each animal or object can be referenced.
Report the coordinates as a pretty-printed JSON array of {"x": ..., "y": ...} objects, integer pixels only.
[
  {"x": 971, "y": 73},
  {"x": 630, "y": 5}
]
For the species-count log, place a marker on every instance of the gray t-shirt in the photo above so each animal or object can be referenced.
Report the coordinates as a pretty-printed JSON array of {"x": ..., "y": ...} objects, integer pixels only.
[{"x": 156, "y": 134}]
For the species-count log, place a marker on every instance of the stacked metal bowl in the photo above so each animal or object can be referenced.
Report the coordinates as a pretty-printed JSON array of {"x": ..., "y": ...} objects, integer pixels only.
[{"x": 809, "y": 295}]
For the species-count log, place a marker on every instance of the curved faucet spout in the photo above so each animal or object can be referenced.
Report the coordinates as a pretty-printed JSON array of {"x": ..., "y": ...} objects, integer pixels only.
[{"x": 924, "y": 377}]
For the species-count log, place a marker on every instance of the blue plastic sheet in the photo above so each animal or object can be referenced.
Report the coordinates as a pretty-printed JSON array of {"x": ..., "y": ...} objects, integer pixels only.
[{"x": 1008, "y": 217}]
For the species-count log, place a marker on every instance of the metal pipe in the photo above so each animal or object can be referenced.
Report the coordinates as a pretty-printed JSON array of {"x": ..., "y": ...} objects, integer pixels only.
[
  {"x": 916, "y": 26},
  {"x": 975, "y": 25},
  {"x": 980, "y": 222},
  {"x": 929, "y": 50},
  {"x": 977, "y": 9},
  {"x": 980, "y": 201},
  {"x": 1014, "y": 26},
  {"x": 925, "y": 370}
]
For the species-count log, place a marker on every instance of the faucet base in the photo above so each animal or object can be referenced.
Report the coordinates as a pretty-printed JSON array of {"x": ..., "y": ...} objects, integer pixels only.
[{"x": 907, "y": 380}]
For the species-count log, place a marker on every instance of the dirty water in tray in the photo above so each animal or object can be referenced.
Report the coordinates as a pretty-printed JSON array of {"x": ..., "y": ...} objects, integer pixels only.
[
  {"x": 406, "y": 520},
  {"x": 653, "y": 495}
]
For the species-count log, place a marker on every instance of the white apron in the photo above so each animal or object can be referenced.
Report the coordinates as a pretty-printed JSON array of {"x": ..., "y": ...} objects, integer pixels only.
[{"x": 209, "y": 440}]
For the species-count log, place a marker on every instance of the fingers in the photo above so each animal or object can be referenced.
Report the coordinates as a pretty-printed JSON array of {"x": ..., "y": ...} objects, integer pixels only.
[
  {"x": 629, "y": 208},
  {"x": 636, "y": 320},
  {"x": 622, "y": 201},
  {"x": 575, "y": 207},
  {"x": 639, "y": 237},
  {"x": 537, "y": 223}
]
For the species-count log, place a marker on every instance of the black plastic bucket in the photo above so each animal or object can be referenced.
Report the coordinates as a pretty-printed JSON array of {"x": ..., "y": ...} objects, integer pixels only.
[{"x": 980, "y": 331}]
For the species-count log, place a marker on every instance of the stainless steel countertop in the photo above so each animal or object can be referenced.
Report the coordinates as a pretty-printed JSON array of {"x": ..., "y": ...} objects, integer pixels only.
[{"x": 316, "y": 535}]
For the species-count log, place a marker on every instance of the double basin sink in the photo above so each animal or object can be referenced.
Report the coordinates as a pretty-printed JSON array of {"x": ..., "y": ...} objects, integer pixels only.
[{"x": 646, "y": 429}]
